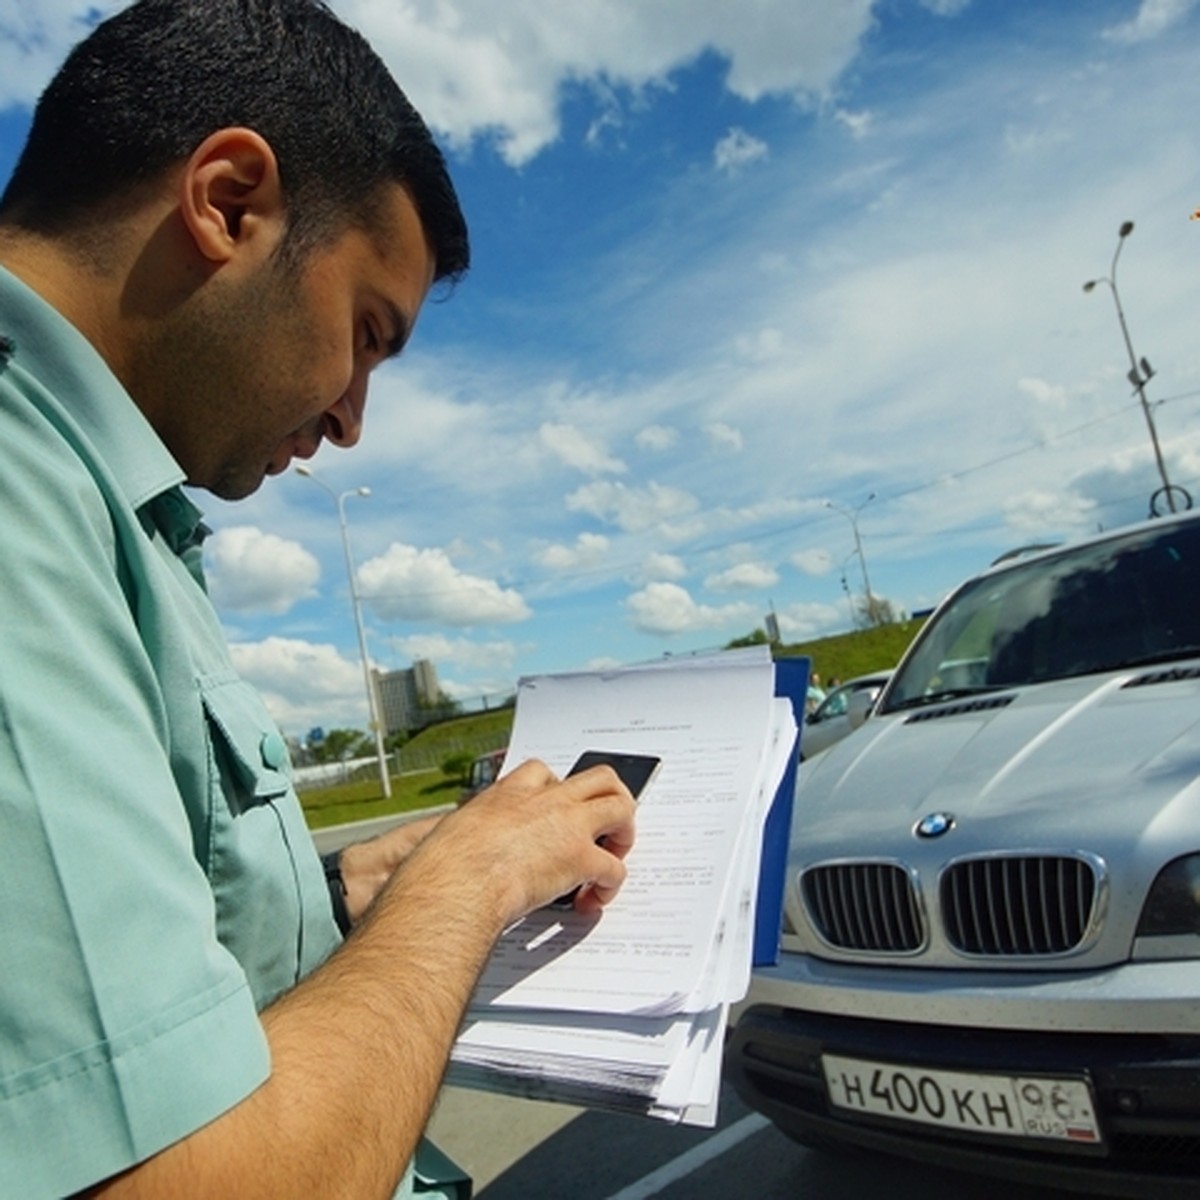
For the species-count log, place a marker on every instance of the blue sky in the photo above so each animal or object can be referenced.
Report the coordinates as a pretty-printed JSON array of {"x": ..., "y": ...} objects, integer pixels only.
[{"x": 733, "y": 263}]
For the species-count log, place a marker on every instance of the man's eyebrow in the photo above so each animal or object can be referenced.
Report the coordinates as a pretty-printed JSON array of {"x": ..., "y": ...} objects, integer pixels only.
[{"x": 403, "y": 330}]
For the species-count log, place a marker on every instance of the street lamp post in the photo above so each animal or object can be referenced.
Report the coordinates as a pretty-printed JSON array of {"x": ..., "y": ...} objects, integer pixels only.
[
  {"x": 1140, "y": 373},
  {"x": 846, "y": 589},
  {"x": 851, "y": 515},
  {"x": 372, "y": 707}
]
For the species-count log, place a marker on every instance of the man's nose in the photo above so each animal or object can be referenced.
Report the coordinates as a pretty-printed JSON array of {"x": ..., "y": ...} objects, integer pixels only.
[{"x": 343, "y": 421}]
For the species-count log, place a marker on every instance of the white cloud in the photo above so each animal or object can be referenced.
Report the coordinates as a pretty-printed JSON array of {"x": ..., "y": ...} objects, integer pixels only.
[
  {"x": 491, "y": 692},
  {"x": 668, "y": 609},
  {"x": 724, "y": 436},
  {"x": 1037, "y": 512},
  {"x": 287, "y": 664},
  {"x": 477, "y": 69},
  {"x": 438, "y": 649},
  {"x": 737, "y": 149},
  {"x": 433, "y": 418},
  {"x": 748, "y": 576},
  {"x": 304, "y": 684},
  {"x": 761, "y": 346},
  {"x": 945, "y": 8},
  {"x": 589, "y": 550},
  {"x": 632, "y": 509},
  {"x": 608, "y": 120},
  {"x": 1153, "y": 18},
  {"x": 657, "y": 437},
  {"x": 763, "y": 510},
  {"x": 577, "y": 449},
  {"x": 812, "y": 562},
  {"x": 859, "y": 124},
  {"x": 36, "y": 38},
  {"x": 800, "y": 622},
  {"x": 409, "y": 584},
  {"x": 1050, "y": 395},
  {"x": 658, "y": 566},
  {"x": 252, "y": 571}
]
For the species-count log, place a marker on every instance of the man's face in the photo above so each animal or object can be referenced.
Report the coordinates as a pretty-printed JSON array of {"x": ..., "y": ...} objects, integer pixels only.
[{"x": 271, "y": 361}]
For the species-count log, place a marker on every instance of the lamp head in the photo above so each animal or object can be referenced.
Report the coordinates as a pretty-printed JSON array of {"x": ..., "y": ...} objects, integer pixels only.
[
  {"x": 1126, "y": 229},
  {"x": 301, "y": 469}
]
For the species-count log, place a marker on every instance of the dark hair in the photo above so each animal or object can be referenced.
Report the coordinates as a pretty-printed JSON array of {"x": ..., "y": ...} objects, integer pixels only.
[{"x": 147, "y": 86}]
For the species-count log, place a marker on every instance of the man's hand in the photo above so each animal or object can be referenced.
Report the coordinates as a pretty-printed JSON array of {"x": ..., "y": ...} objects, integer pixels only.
[
  {"x": 367, "y": 866},
  {"x": 359, "y": 1048},
  {"x": 582, "y": 825},
  {"x": 532, "y": 837}
]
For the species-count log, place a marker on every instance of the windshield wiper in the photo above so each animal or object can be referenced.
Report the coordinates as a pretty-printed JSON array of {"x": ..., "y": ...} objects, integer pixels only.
[
  {"x": 1148, "y": 660},
  {"x": 943, "y": 694}
]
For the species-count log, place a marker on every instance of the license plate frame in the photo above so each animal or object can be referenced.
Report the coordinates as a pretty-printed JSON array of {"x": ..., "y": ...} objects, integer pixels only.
[{"x": 1045, "y": 1108}]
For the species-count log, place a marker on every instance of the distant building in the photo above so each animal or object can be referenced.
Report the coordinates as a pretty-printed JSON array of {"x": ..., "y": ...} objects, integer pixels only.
[{"x": 407, "y": 698}]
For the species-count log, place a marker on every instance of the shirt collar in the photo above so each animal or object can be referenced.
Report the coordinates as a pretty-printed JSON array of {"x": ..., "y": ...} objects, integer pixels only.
[{"x": 46, "y": 345}]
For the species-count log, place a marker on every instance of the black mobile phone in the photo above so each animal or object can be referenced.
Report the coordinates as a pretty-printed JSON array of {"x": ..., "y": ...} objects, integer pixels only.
[{"x": 635, "y": 771}]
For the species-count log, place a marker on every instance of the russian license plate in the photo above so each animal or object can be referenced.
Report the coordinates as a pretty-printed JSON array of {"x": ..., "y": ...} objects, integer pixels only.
[{"x": 1028, "y": 1106}]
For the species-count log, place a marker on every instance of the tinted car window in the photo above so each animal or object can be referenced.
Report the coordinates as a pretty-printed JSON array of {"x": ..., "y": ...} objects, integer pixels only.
[
  {"x": 834, "y": 705},
  {"x": 1095, "y": 608}
]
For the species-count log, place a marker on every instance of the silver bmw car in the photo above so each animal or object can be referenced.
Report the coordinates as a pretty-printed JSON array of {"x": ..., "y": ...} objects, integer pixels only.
[{"x": 995, "y": 888}]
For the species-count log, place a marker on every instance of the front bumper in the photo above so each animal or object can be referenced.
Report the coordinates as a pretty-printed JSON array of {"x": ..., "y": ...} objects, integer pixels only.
[
  {"x": 1146, "y": 1086},
  {"x": 1147, "y": 996}
]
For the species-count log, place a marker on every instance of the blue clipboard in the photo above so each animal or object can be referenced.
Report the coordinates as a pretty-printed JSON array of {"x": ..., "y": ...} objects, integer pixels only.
[{"x": 791, "y": 680}]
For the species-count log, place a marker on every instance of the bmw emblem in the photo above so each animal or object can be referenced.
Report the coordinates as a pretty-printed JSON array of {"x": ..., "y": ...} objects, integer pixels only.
[{"x": 934, "y": 825}]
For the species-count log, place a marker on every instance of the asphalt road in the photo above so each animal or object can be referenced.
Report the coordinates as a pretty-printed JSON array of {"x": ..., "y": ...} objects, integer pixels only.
[
  {"x": 336, "y": 836},
  {"x": 522, "y": 1149}
]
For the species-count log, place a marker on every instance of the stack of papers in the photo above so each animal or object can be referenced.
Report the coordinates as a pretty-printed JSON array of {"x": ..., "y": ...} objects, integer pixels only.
[{"x": 627, "y": 1010}]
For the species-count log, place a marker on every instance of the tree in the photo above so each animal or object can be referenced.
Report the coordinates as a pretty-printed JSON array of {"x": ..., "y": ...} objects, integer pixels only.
[
  {"x": 875, "y": 611},
  {"x": 458, "y": 766},
  {"x": 757, "y": 638},
  {"x": 341, "y": 744}
]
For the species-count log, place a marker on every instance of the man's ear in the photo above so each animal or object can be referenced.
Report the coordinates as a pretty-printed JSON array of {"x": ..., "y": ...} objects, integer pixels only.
[{"x": 230, "y": 196}]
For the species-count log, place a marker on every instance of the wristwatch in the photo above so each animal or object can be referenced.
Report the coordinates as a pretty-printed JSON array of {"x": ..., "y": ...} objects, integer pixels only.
[{"x": 332, "y": 863}]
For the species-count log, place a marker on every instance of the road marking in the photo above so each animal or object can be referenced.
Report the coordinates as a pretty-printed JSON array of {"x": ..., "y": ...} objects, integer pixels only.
[{"x": 679, "y": 1168}]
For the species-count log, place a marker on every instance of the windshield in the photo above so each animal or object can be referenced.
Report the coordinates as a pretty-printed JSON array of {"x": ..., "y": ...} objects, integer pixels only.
[{"x": 1094, "y": 608}]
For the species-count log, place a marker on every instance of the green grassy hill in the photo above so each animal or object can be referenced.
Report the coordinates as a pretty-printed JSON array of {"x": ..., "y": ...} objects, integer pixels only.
[
  {"x": 421, "y": 783},
  {"x": 844, "y": 655},
  {"x": 475, "y": 733}
]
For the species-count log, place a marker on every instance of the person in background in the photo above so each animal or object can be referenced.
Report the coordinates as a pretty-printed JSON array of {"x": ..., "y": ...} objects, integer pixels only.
[
  {"x": 225, "y": 217},
  {"x": 815, "y": 694}
]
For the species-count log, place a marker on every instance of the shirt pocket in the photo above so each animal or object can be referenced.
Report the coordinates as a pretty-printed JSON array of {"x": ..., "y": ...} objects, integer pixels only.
[
  {"x": 257, "y": 836},
  {"x": 250, "y": 754}
]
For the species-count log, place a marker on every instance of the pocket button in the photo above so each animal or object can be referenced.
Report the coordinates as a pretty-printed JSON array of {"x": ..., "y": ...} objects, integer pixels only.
[{"x": 273, "y": 751}]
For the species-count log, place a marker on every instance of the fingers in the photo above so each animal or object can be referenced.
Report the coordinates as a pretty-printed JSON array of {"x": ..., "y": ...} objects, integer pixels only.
[
  {"x": 613, "y": 807},
  {"x": 367, "y": 866},
  {"x": 550, "y": 836},
  {"x": 593, "y": 896},
  {"x": 531, "y": 776}
]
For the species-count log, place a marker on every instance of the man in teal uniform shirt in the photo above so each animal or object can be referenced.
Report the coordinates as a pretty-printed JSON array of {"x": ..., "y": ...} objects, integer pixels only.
[{"x": 226, "y": 215}]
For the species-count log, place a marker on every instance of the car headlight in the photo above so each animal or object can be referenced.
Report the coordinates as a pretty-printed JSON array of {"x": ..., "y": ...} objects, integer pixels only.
[{"x": 1173, "y": 905}]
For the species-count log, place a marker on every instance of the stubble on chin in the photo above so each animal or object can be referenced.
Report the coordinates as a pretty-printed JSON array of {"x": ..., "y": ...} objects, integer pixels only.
[{"x": 236, "y": 481}]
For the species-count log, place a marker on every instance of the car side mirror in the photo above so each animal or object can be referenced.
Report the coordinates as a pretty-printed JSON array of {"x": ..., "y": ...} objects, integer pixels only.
[{"x": 860, "y": 706}]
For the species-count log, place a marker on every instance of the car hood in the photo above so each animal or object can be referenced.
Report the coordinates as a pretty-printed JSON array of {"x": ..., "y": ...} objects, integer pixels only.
[
  {"x": 1103, "y": 765},
  {"x": 1016, "y": 768}
]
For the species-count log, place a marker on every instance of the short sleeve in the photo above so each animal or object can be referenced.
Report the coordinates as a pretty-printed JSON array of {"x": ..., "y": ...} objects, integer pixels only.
[{"x": 126, "y": 1023}]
